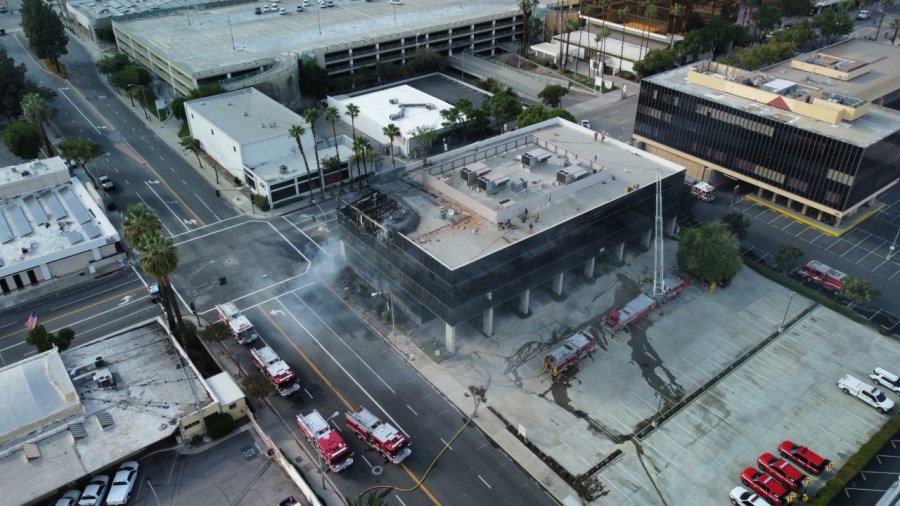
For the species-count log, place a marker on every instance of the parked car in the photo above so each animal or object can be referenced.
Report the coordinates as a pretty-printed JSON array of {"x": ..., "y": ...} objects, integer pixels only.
[
  {"x": 95, "y": 491},
  {"x": 782, "y": 471},
  {"x": 806, "y": 458},
  {"x": 123, "y": 484},
  {"x": 586, "y": 124},
  {"x": 740, "y": 496},
  {"x": 153, "y": 288},
  {"x": 106, "y": 183},
  {"x": 299, "y": 8},
  {"x": 863, "y": 14},
  {"x": 265, "y": 8},
  {"x": 866, "y": 393},
  {"x": 766, "y": 486},
  {"x": 282, "y": 11},
  {"x": 258, "y": 11},
  {"x": 886, "y": 379},
  {"x": 70, "y": 498},
  {"x": 306, "y": 3},
  {"x": 331, "y": 3},
  {"x": 396, "y": 2}
]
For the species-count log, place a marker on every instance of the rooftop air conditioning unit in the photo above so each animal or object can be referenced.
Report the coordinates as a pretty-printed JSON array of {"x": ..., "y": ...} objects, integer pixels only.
[
  {"x": 283, "y": 169},
  {"x": 394, "y": 101}
]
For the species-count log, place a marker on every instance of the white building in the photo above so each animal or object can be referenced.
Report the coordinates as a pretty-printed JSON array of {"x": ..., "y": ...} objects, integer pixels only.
[
  {"x": 50, "y": 227},
  {"x": 82, "y": 411},
  {"x": 404, "y": 106},
  {"x": 246, "y": 132}
]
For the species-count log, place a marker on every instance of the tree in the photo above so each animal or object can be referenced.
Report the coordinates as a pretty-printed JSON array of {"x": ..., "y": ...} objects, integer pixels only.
[
  {"x": 297, "y": 131},
  {"x": 64, "y": 338},
  {"x": 656, "y": 61},
  {"x": 896, "y": 26},
  {"x": 552, "y": 94},
  {"x": 311, "y": 115},
  {"x": 622, "y": 15},
  {"x": 80, "y": 150},
  {"x": 676, "y": 12},
  {"x": 313, "y": 80},
  {"x": 767, "y": 18},
  {"x": 44, "y": 30},
  {"x": 216, "y": 332},
  {"x": 159, "y": 258},
  {"x": 360, "y": 147},
  {"x": 391, "y": 131},
  {"x": 256, "y": 385},
  {"x": 793, "y": 8},
  {"x": 503, "y": 107},
  {"x": 12, "y": 86},
  {"x": 710, "y": 251},
  {"x": 833, "y": 25},
  {"x": 423, "y": 136},
  {"x": 738, "y": 224},
  {"x": 23, "y": 140},
  {"x": 527, "y": 7},
  {"x": 352, "y": 110},
  {"x": 109, "y": 65},
  {"x": 600, "y": 38},
  {"x": 332, "y": 165},
  {"x": 138, "y": 223},
  {"x": 37, "y": 111},
  {"x": 569, "y": 26},
  {"x": 370, "y": 500},
  {"x": 786, "y": 257},
  {"x": 650, "y": 12},
  {"x": 331, "y": 115},
  {"x": 201, "y": 92},
  {"x": 537, "y": 113},
  {"x": 858, "y": 290},
  {"x": 44, "y": 341}
]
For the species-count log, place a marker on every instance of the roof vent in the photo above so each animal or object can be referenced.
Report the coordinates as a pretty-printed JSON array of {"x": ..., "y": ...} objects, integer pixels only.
[
  {"x": 262, "y": 125},
  {"x": 31, "y": 450},
  {"x": 283, "y": 169},
  {"x": 105, "y": 419},
  {"x": 244, "y": 114},
  {"x": 77, "y": 430}
]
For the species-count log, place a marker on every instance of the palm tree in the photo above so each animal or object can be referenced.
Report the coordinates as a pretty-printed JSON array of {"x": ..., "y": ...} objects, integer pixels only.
[
  {"x": 297, "y": 131},
  {"x": 192, "y": 145},
  {"x": 527, "y": 7},
  {"x": 569, "y": 26},
  {"x": 311, "y": 115},
  {"x": 677, "y": 12},
  {"x": 331, "y": 115},
  {"x": 159, "y": 258},
  {"x": 392, "y": 131},
  {"x": 622, "y": 15},
  {"x": 650, "y": 12},
  {"x": 37, "y": 111},
  {"x": 360, "y": 147},
  {"x": 896, "y": 26},
  {"x": 885, "y": 4},
  {"x": 138, "y": 223},
  {"x": 601, "y": 36},
  {"x": 353, "y": 112}
]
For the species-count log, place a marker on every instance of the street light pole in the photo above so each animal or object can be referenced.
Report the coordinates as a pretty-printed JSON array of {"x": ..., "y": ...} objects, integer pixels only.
[
  {"x": 893, "y": 246},
  {"x": 788, "y": 308},
  {"x": 191, "y": 289}
]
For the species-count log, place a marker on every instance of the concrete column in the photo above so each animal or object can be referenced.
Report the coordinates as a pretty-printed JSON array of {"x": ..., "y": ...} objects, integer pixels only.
[
  {"x": 96, "y": 252},
  {"x": 558, "y": 283},
  {"x": 525, "y": 302},
  {"x": 589, "y": 268},
  {"x": 669, "y": 227},
  {"x": 45, "y": 272},
  {"x": 619, "y": 255},
  {"x": 759, "y": 192},
  {"x": 343, "y": 249},
  {"x": 837, "y": 221},
  {"x": 645, "y": 238},
  {"x": 450, "y": 338},
  {"x": 487, "y": 322},
  {"x": 819, "y": 217},
  {"x": 790, "y": 204},
  {"x": 803, "y": 209}
]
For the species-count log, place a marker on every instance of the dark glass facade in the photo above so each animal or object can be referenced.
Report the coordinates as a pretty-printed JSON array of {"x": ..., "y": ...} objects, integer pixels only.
[
  {"x": 430, "y": 288},
  {"x": 836, "y": 174}
]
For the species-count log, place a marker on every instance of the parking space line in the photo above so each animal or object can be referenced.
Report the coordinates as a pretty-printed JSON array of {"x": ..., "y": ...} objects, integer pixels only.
[
  {"x": 855, "y": 245},
  {"x": 894, "y": 274},
  {"x": 870, "y": 426},
  {"x": 825, "y": 430},
  {"x": 804, "y": 230},
  {"x": 775, "y": 218},
  {"x": 821, "y": 235},
  {"x": 627, "y": 428},
  {"x": 632, "y": 477},
  {"x": 736, "y": 334},
  {"x": 663, "y": 433},
  {"x": 645, "y": 444},
  {"x": 694, "y": 366},
  {"x": 682, "y": 376},
  {"x": 613, "y": 485},
  {"x": 848, "y": 429},
  {"x": 832, "y": 244},
  {"x": 709, "y": 410},
  {"x": 748, "y": 383},
  {"x": 871, "y": 251},
  {"x": 563, "y": 441},
  {"x": 716, "y": 335},
  {"x": 785, "y": 348},
  {"x": 709, "y": 359},
  {"x": 688, "y": 413},
  {"x": 722, "y": 399},
  {"x": 633, "y": 412},
  {"x": 654, "y": 408},
  {"x": 689, "y": 433}
]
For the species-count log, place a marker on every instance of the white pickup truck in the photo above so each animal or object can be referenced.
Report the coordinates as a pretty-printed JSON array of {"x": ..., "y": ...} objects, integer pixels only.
[{"x": 866, "y": 393}]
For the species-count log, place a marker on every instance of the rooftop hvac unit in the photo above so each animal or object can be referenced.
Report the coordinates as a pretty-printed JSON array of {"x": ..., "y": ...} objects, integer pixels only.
[
  {"x": 570, "y": 174},
  {"x": 394, "y": 101},
  {"x": 497, "y": 184},
  {"x": 507, "y": 203},
  {"x": 471, "y": 176},
  {"x": 518, "y": 186},
  {"x": 397, "y": 115},
  {"x": 283, "y": 169}
]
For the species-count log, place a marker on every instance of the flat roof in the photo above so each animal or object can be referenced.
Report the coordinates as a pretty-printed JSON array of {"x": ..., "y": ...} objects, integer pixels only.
[
  {"x": 45, "y": 216},
  {"x": 403, "y": 105},
  {"x": 208, "y": 39},
  {"x": 293, "y": 166},
  {"x": 882, "y": 60},
  {"x": 458, "y": 224},
  {"x": 152, "y": 392},
  {"x": 876, "y": 124},
  {"x": 102, "y": 9},
  {"x": 34, "y": 389},
  {"x": 224, "y": 388},
  {"x": 248, "y": 115}
]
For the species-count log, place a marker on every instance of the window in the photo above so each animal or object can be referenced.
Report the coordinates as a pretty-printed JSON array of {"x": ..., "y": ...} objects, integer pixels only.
[
  {"x": 212, "y": 132},
  {"x": 234, "y": 148},
  {"x": 232, "y": 405},
  {"x": 192, "y": 424}
]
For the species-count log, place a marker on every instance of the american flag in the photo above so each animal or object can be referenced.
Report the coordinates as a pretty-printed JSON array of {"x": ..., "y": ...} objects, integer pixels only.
[{"x": 31, "y": 323}]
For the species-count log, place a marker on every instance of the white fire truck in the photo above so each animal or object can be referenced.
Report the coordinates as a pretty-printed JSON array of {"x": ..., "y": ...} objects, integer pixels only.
[
  {"x": 381, "y": 436},
  {"x": 325, "y": 440},
  {"x": 238, "y": 324},
  {"x": 704, "y": 191},
  {"x": 276, "y": 370}
]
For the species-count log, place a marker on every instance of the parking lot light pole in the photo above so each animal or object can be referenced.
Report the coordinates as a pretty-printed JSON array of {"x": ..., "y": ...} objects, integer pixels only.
[
  {"x": 893, "y": 246},
  {"x": 788, "y": 308}
]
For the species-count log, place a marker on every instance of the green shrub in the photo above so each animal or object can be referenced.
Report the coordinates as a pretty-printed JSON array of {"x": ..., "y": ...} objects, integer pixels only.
[
  {"x": 219, "y": 425},
  {"x": 111, "y": 206},
  {"x": 261, "y": 202}
]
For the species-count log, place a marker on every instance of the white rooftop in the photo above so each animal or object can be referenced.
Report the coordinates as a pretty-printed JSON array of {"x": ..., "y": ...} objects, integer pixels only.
[
  {"x": 34, "y": 390},
  {"x": 45, "y": 215},
  {"x": 224, "y": 388},
  {"x": 412, "y": 108},
  {"x": 248, "y": 115},
  {"x": 458, "y": 223},
  {"x": 152, "y": 391}
]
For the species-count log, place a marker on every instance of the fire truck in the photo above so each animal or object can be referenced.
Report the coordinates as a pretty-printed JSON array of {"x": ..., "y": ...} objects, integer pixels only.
[
  {"x": 238, "y": 324},
  {"x": 276, "y": 370},
  {"x": 573, "y": 349},
  {"x": 325, "y": 440},
  {"x": 831, "y": 279},
  {"x": 675, "y": 285},
  {"x": 704, "y": 191},
  {"x": 638, "y": 308},
  {"x": 381, "y": 436}
]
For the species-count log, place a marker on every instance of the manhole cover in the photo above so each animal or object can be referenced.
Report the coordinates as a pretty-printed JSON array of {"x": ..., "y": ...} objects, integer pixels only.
[
  {"x": 248, "y": 452},
  {"x": 229, "y": 261},
  {"x": 377, "y": 470}
]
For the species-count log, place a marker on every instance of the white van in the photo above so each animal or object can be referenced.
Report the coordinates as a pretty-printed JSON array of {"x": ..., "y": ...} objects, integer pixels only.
[{"x": 886, "y": 379}]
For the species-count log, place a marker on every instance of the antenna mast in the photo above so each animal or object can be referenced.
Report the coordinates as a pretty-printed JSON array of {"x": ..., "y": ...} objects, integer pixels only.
[{"x": 659, "y": 285}]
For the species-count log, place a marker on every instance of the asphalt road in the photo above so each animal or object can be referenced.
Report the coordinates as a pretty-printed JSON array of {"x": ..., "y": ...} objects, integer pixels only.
[{"x": 874, "y": 480}]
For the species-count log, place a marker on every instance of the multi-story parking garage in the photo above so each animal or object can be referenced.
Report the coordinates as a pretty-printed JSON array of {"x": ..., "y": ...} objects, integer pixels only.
[{"x": 237, "y": 47}]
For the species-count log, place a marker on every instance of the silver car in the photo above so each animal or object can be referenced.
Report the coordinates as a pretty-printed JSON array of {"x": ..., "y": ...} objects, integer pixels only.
[
  {"x": 95, "y": 491},
  {"x": 123, "y": 483}
]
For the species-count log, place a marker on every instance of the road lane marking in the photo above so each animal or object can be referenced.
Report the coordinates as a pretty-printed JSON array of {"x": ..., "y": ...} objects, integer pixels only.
[
  {"x": 448, "y": 444},
  {"x": 366, "y": 461},
  {"x": 327, "y": 382},
  {"x": 169, "y": 232},
  {"x": 62, "y": 92},
  {"x": 309, "y": 394},
  {"x": 70, "y": 313},
  {"x": 206, "y": 206},
  {"x": 486, "y": 483},
  {"x": 89, "y": 297},
  {"x": 401, "y": 501},
  {"x": 413, "y": 411},
  {"x": 177, "y": 218},
  {"x": 307, "y": 237}
]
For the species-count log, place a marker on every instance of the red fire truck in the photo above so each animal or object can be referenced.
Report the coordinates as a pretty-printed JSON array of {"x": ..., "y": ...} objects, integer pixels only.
[
  {"x": 638, "y": 308},
  {"x": 326, "y": 441},
  {"x": 381, "y": 436},
  {"x": 573, "y": 349},
  {"x": 238, "y": 324},
  {"x": 831, "y": 279},
  {"x": 276, "y": 370}
]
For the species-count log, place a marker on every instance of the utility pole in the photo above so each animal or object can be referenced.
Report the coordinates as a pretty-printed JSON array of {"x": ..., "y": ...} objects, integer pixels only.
[{"x": 659, "y": 285}]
